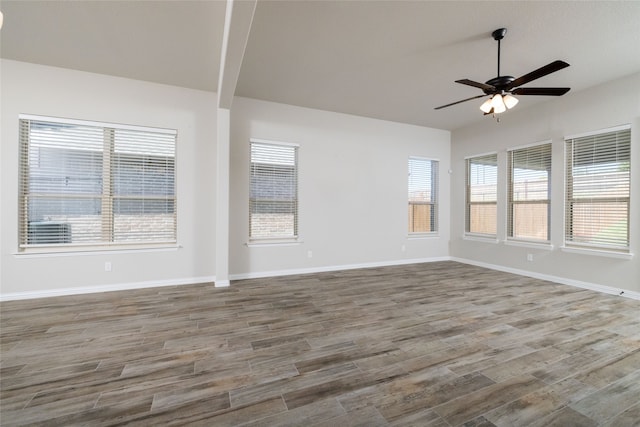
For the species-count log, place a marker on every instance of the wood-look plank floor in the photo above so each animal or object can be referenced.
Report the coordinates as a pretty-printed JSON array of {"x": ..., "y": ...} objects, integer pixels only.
[{"x": 436, "y": 344}]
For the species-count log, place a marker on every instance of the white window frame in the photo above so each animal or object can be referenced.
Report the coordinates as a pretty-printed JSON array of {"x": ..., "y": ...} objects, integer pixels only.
[
  {"x": 112, "y": 237},
  {"x": 431, "y": 200},
  {"x": 275, "y": 238},
  {"x": 570, "y": 244},
  {"x": 511, "y": 203},
  {"x": 468, "y": 203}
]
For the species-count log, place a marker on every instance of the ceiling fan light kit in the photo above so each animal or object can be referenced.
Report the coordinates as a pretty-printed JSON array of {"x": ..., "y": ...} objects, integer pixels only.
[
  {"x": 486, "y": 106},
  {"x": 510, "y": 101},
  {"x": 502, "y": 88},
  {"x": 498, "y": 104}
]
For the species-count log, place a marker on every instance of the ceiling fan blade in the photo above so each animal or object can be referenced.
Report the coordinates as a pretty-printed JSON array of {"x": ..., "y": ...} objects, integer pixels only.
[
  {"x": 536, "y": 74},
  {"x": 547, "y": 91},
  {"x": 458, "y": 102},
  {"x": 482, "y": 86}
]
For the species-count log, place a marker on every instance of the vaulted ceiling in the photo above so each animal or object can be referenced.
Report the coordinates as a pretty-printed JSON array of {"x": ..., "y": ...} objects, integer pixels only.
[{"x": 392, "y": 60}]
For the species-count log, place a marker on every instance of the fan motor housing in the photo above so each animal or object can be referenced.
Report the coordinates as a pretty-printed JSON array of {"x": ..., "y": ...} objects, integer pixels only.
[{"x": 500, "y": 83}]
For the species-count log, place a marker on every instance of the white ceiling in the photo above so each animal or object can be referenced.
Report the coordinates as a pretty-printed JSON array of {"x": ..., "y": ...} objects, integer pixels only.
[
  {"x": 393, "y": 60},
  {"x": 171, "y": 42}
]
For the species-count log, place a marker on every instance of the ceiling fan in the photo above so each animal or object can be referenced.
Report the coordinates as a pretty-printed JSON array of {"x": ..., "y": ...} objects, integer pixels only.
[{"x": 502, "y": 88}]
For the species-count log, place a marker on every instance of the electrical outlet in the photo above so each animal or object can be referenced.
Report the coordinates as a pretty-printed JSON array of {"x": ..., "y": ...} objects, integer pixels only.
[
  {"x": 107, "y": 266},
  {"x": 309, "y": 254},
  {"x": 529, "y": 257},
  {"x": 403, "y": 248}
]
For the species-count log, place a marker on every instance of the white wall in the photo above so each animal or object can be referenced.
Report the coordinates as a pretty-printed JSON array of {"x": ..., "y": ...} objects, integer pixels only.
[
  {"x": 352, "y": 189},
  {"x": 34, "y": 89},
  {"x": 352, "y": 183},
  {"x": 597, "y": 108}
]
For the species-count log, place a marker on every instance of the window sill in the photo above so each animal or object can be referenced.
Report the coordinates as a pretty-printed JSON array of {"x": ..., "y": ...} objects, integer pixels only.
[
  {"x": 422, "y": 236},
  {"x": 274, "y": 242},
  {"x": 78, "y": 251},
  {"x": 481, "y": 238},
  {"x": 530, "y": 244},
  {"x": 597, "y": 252}
]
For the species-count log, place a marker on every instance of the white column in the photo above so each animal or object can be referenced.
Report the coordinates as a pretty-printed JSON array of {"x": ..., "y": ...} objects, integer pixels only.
[
  {"x": 237, "y": 24},
  {"x": 222, "y": 198}
]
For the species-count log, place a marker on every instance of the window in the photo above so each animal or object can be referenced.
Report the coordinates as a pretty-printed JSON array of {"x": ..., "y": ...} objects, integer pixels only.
[
  {"x": 482, "y": 188},
  {"x": 423, "y": 195},
  {"x": 273, "y": 200},
  {"x": 85, "y": 184},
  {"x": 529, "y": 193},
  {"x": 597, "y": 194}
]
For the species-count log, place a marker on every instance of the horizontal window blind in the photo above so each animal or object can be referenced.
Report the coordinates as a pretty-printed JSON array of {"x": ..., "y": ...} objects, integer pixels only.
[
  {"x": 273, "y": 200},
  {"x": 423, "y": 195},
  {"x": 598, "y": 190},
  {"x": 95, "y": 185},
  {"x": 143, "y": 186},
  {"x": 482, "y": 190},
  {"x": 529, "y": 192}
]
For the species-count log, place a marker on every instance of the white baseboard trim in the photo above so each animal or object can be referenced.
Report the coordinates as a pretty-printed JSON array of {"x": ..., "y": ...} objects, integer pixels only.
[
  {"x": 222, "y": 283},
  {"x": 274, "y": 273},
  {"x": 104, "y": 288},
  {"x": 211, "y": 279},
  {"x": 556, "y": 279},
  {"x": 205, "y": 279}
]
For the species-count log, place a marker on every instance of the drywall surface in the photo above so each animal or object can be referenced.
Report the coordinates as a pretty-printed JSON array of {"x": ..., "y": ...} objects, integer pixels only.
[
  {"x": 353, "y": 189},
  {"x": 615, "y": 103},
  {"x": 55, "y": 92}
]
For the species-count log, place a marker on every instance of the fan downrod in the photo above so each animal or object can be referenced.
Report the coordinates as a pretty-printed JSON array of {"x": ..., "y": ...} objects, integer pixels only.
[{"x": 498, "y": 35}]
